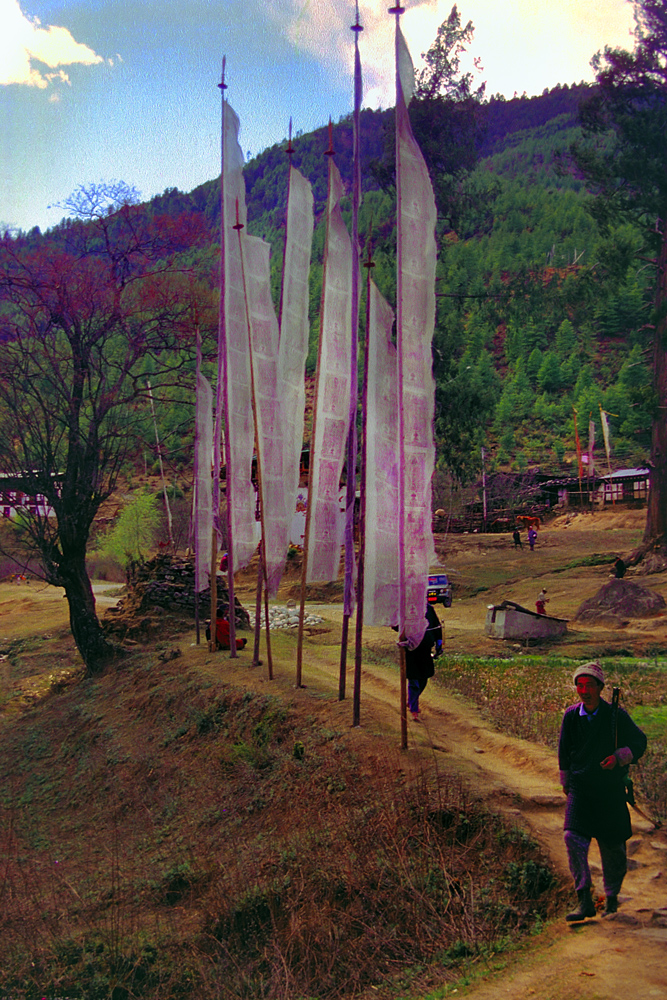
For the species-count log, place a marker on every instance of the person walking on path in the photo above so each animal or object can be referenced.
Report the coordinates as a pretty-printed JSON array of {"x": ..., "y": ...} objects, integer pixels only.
[
  {"x": 419, "y": 662},
  {"x": 541, "y": 602},
  {"x": 597, "y": 743},
  {"x": 532, "y": 538}
]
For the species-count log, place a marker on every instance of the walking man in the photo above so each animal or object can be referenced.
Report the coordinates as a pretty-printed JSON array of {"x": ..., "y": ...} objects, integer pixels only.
[{"x": 597, "y": 743}]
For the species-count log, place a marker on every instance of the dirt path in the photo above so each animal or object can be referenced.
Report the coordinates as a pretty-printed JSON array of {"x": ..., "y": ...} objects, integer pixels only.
[{"x": 618, "y": 958}]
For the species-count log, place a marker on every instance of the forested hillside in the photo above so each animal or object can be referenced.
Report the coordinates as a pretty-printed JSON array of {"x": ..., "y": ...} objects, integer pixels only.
[
  {"x": 535, "y": 318},
  {"x": 538, "y": 315}
]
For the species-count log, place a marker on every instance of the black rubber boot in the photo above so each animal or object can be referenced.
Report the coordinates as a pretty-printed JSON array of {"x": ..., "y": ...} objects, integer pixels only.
[
  {"x": 611, "y": 905},
  {"x": 586, "y": 907}
]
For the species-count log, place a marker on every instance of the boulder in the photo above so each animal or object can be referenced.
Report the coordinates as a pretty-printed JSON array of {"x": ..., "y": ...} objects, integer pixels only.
[{"x": 621, "y": 599}]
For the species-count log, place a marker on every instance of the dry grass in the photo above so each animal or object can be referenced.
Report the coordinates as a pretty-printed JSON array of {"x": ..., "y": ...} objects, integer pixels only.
[
  {"x": 167, "y": 835},
  {"x": 164, "y": 834}
]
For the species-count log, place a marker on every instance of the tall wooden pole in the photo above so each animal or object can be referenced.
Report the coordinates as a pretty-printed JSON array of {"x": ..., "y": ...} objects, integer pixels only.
[
  {"x": 220, "y": 387},
  {"x": 222, "y": 412},
  {"x": 351, "y": 460},
  {"x": 361, "y": 563},
  {"x": 397, "y": 11}
]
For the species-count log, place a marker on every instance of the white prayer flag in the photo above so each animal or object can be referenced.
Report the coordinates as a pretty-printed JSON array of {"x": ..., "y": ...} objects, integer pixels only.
[
  {"x": 268, "y": 393},
  {"x": 234, "y": 357},
  {"x": 416, "y": 322},
  {"x": 381, "y": 599},
  {"x": 605, "y": 435},
  {"x": 294, "y": 327},
  {"x": 333, "y": 394},
  {"x": 203, "y": 484}
]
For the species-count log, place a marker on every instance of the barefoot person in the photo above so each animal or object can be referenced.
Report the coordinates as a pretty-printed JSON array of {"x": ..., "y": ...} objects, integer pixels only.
[{"x": 596, "y": 745}]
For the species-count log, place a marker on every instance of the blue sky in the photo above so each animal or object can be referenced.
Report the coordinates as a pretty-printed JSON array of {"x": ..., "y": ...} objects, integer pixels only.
[{"x": 95, "y": 90}]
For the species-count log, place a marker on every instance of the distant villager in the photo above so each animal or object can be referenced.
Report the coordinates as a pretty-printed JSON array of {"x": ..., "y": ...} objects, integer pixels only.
[
  {"x": 541, "y": 602},
  {"x": 619, "y": 569}
]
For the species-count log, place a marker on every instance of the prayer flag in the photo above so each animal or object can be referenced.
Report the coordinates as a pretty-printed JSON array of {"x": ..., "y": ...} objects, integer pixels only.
[
  {"x": 331, "y": 419},
  {"x": 381, "y": 599},
  {"x": 294, "y": 328},
  {"x": 203, "y": 486},
  {"x": 591, "y": 446},
  {"x": 268, "y": 393},
  {"x": 605, "y": 434},
  {"x": 416, "y": 321},
  {"x": 234, "y": 377}
]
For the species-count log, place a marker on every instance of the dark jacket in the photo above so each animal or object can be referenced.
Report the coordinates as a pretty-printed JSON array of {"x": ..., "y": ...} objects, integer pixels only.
[
  {"x": 418, "y": 661},
  {"x": 596, "y": 801}
]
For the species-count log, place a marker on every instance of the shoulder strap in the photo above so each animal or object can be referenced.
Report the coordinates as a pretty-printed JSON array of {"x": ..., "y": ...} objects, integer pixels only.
[{"x": 614, "y": 715}]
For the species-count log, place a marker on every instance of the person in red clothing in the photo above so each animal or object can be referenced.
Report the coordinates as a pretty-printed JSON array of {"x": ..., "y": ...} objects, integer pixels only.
[{"x": 222, "y": 635}]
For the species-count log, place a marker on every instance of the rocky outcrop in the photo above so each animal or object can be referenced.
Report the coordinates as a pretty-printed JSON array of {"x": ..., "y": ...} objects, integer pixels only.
[{"x": 166, "y": 583}]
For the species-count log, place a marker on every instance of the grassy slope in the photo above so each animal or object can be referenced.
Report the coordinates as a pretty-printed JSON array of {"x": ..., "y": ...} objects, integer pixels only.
[
  {"x": 180, "y": 827},
  {"x": 166, "y": 832}
]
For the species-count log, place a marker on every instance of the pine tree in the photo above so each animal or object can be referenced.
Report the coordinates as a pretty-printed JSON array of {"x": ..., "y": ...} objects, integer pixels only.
[{"x": 624, "y": 155}]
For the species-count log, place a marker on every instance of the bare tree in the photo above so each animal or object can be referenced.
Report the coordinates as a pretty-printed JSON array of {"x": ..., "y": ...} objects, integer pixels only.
[{"x": 86, "y": 314}]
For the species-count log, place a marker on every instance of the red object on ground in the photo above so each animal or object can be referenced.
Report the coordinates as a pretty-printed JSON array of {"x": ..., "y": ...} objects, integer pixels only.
[{"x": 222, "y": 635}]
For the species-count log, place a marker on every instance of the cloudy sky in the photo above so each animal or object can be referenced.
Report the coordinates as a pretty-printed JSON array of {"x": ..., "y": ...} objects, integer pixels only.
[{"x": 96, "y": 90}]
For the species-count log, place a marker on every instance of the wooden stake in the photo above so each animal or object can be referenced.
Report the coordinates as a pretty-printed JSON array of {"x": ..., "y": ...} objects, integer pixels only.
[{"x": 213, "y": 641}]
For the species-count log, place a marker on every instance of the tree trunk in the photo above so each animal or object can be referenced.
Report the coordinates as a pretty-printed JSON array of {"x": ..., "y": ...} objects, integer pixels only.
[
  {"x": 95, "y": 650},
  {"x": 655, "y": 532}
]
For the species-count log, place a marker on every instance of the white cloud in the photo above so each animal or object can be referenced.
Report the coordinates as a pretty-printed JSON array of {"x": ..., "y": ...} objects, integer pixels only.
[
  {"x": 321, "y": 28},
  {"x": 523, "y": 44},
  {"x": 24, "y": 40}
]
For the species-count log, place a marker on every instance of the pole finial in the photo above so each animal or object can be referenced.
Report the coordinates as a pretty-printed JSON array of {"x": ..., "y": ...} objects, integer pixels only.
[
  {"x": 356, "y": 26},
  {"x": 222, "y": 85},
  {"x": 397, "y": 10},
  {"x": 330, "y": 151},
  {"x": 290, "y": 148}
]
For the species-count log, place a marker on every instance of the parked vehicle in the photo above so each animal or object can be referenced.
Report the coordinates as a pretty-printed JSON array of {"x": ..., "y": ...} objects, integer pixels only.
[{"x": 439, "y": 590}]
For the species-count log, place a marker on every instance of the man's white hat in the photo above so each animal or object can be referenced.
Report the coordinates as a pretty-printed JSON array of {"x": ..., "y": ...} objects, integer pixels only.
[{"x": 592, "y": 669}]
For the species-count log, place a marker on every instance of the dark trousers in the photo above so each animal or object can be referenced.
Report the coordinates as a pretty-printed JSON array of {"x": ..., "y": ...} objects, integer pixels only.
[
  {"x": 415, "y": 688},
  {"x": 612, "y": 855}
]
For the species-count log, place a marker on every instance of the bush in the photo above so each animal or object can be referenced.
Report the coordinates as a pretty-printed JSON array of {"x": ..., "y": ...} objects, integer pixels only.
[{"x": 134, "y": 533}]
